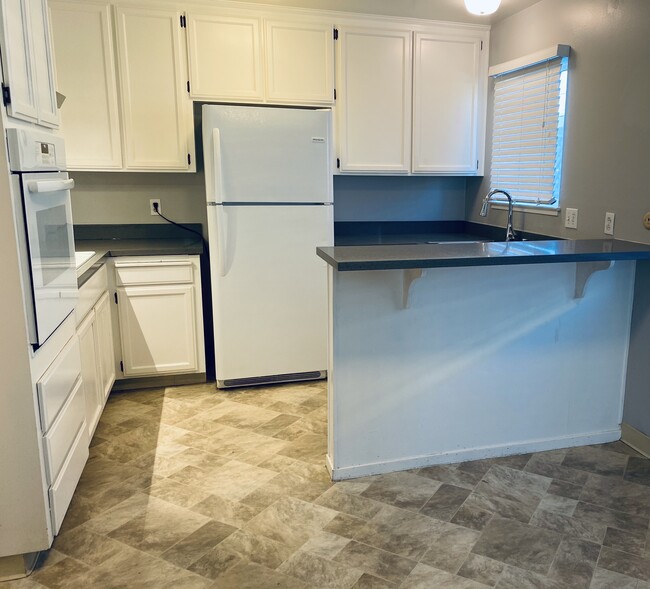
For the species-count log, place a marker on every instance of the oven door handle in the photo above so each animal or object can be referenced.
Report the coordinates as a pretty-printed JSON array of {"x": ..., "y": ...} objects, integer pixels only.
[{"x": 41, "y": 186}]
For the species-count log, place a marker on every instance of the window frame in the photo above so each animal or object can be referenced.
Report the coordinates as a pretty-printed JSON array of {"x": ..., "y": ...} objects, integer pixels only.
[{"x": 534, "y": 63}]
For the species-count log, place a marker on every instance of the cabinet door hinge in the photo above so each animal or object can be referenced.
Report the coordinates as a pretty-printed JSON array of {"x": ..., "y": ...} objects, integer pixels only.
[
  {"x": 477, "y": 164},
  {"x": 336, "y": 34},
  {"x": 122, "y": 366},
  {"x": 188, "y": 86},
  {"x": 338, "y": 163},
  {"x": 481, "y": 45},
  {"x": 183, "y": 22},
  {"x": 189, "y": 159},
  {"x": 6, "y": 95},
  {"x": 334, "y": 93},
  {"x": 115, "y": 295}
]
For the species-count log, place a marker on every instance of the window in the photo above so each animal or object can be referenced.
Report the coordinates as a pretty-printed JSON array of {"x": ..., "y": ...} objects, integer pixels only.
[{"x": 528, "y": 129}]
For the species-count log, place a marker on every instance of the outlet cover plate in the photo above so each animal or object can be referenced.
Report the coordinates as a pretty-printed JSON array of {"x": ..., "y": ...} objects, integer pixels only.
[
  {"x": 151, "y": 209},
  {"x": 571, "y": 219},
  {"x": 609, "y": 223}
]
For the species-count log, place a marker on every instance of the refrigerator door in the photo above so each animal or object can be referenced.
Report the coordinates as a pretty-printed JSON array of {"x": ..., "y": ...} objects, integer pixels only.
[
  {"x": 269, "y": 290},
  {"x": 267, "y": 155}
]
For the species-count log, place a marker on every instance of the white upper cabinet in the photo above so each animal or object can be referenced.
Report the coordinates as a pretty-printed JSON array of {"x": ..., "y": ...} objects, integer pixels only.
[
  {"x": 445, "y": 132},
  {"x": 448, "y": 103},
  {"x": 29, "y": 85},
  {"x": 374, "y": 101},
  {"x": 225, "y": 58},
  {"x": 237, "y": 57},
  {"x": 156, "y": 109},
  {"x": 299, "y": 62},
  {"x": 89, "y": 116}
]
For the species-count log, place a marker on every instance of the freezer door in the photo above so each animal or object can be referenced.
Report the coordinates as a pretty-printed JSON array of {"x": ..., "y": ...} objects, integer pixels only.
[
  {"x": 267, "y": 155},
  {"x": 269, "y": 289}
]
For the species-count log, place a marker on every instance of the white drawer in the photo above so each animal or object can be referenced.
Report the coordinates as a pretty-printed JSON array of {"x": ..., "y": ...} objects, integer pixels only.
[
  {"x": 90, "y": 292},
  {"x": 145, "y": 273},
  {"x": 55, "y": 386},
  {"x": 63, "y": 488},
  {"x": 58, "y": 441}
]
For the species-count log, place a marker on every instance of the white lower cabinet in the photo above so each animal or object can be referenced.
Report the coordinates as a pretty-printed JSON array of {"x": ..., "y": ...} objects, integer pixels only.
[
  {"x": 160, "y": 315},
  {"x": 95, "y": 334},
  {"x": 105, "y": 350},
  {"x": 87, "y": 334}
]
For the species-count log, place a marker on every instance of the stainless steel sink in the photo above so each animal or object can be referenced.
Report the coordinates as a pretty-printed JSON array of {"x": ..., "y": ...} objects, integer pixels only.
[{"x": 457, "y": 241}]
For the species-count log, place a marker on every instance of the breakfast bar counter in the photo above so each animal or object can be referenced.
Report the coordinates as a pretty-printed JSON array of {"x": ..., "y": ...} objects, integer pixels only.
[{"x": 440, "y": 353}]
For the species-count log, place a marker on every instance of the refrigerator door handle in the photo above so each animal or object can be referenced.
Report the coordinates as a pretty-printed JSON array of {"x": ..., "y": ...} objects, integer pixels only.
[
  {"x": 217, "y": 167},
  {"x": 221, "y": 240}
]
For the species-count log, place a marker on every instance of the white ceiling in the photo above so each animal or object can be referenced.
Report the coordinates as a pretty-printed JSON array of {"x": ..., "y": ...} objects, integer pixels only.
[{"x": 451, "y": 10}]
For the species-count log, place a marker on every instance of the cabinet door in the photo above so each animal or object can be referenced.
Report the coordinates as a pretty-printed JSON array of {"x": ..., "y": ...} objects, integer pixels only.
[
  {"x": 157, "y": 116},
  {"x": 374, "y": 104},
  {"x": 300, "y": 62},
  {"x": 48, "y": 113},
  {"x": 225, "y": 58},
  {"x": 448, "y": 102},
  {"x": 105, "y": 351},
  {"x": 85, "y": 67},
  {"x": 17, "y": 63},
  {"x": 87, "y": 334},
  {"x": 158, "y": 329}
]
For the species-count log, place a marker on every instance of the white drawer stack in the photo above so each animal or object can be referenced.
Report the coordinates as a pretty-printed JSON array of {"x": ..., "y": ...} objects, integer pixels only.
[{"x": 63, "y": 423}]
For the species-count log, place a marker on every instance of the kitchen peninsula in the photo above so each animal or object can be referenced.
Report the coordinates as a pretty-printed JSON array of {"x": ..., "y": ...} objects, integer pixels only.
[{"x": 441, "y": 353}]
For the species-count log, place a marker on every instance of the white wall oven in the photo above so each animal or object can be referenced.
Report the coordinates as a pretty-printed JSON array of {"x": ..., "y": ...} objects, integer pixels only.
[{"x": 41, "y": 193}]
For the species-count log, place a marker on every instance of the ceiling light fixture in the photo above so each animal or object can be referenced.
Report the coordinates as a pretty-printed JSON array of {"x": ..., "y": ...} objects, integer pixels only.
[{"x": 482, "y": 7}]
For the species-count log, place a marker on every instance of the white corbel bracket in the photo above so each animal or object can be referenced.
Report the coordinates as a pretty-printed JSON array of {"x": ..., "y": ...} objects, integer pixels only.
[
  {"x": 410, "y": 276},
  {"x": 584, "y": 271}
]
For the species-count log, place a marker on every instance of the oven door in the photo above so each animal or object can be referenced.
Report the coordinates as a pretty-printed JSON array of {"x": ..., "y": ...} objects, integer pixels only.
[{"x": 50, "y": 241}]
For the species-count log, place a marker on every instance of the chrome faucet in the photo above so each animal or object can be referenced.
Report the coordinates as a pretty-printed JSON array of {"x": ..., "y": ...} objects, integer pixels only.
[{"x": 510, "y": 232}]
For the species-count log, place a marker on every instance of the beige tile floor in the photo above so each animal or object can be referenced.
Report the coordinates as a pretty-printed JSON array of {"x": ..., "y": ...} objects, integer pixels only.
[{"x": 188, "y": 487}]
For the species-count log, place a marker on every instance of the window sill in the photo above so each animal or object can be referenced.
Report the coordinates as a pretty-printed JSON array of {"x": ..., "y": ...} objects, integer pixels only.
[{"x": 535, "y": 209}]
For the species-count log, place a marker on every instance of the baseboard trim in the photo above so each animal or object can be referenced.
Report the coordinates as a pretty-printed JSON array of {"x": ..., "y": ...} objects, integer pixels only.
[
  {"x": 154, "y": 382},
  {"x": 329, "y": 465},
  {"x": 17, "y": 566},
  {"x": 635, "y": 439},
  {"x": 350, "y": 472}
]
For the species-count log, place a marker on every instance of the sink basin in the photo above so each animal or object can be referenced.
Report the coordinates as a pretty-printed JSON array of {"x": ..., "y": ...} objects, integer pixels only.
[
  {"x": 457, "y": 241},
  {"x": 82, "y": 257}
]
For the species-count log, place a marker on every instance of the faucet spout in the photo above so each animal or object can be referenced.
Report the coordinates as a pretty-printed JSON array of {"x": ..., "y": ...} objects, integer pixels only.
[{"x": 510, "y": 232}]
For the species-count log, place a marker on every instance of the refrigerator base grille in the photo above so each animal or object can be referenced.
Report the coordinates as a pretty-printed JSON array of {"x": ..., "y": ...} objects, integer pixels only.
[{"x": 272, "y": 379}]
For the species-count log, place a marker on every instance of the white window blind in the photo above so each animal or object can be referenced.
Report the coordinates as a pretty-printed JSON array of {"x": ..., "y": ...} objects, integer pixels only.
[{"x": 528, "y": 132}]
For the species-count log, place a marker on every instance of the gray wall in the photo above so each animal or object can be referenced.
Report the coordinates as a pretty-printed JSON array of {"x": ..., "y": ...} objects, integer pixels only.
[
  {"x": 372, "y": 198},
  {"x": 607, "y": 142},
  {"x": 122, "y": 198}
]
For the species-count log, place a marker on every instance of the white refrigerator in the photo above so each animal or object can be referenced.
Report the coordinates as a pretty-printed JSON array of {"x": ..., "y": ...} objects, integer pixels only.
[{"x": 269, "y": 203}]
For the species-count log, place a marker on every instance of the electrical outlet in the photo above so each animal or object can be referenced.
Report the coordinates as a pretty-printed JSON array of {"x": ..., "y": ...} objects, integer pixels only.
[
  {"x": 153, "y": 201},
  {"x": 609, "y": 223},
  {"x": 646, "y": 220},
  {"x": 571, "y": 219}
]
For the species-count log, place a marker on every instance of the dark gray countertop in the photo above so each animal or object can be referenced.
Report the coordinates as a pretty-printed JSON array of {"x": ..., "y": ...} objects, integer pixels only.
[
  {"x": 140, "y": 247},
  {"x": 133, "y": 240},
  {"x": 468, "y": 253}
]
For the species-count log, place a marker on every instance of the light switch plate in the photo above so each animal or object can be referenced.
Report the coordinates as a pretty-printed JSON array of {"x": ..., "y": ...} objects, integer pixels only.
[{"x": 609, "y": 223}]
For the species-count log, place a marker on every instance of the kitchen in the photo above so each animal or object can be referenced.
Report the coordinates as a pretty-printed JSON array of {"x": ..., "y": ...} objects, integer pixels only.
[{"x": 598, "y": 84}]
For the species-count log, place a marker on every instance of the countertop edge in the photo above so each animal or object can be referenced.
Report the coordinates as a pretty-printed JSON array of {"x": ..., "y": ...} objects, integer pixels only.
[{"x": 634, "y": 253}]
